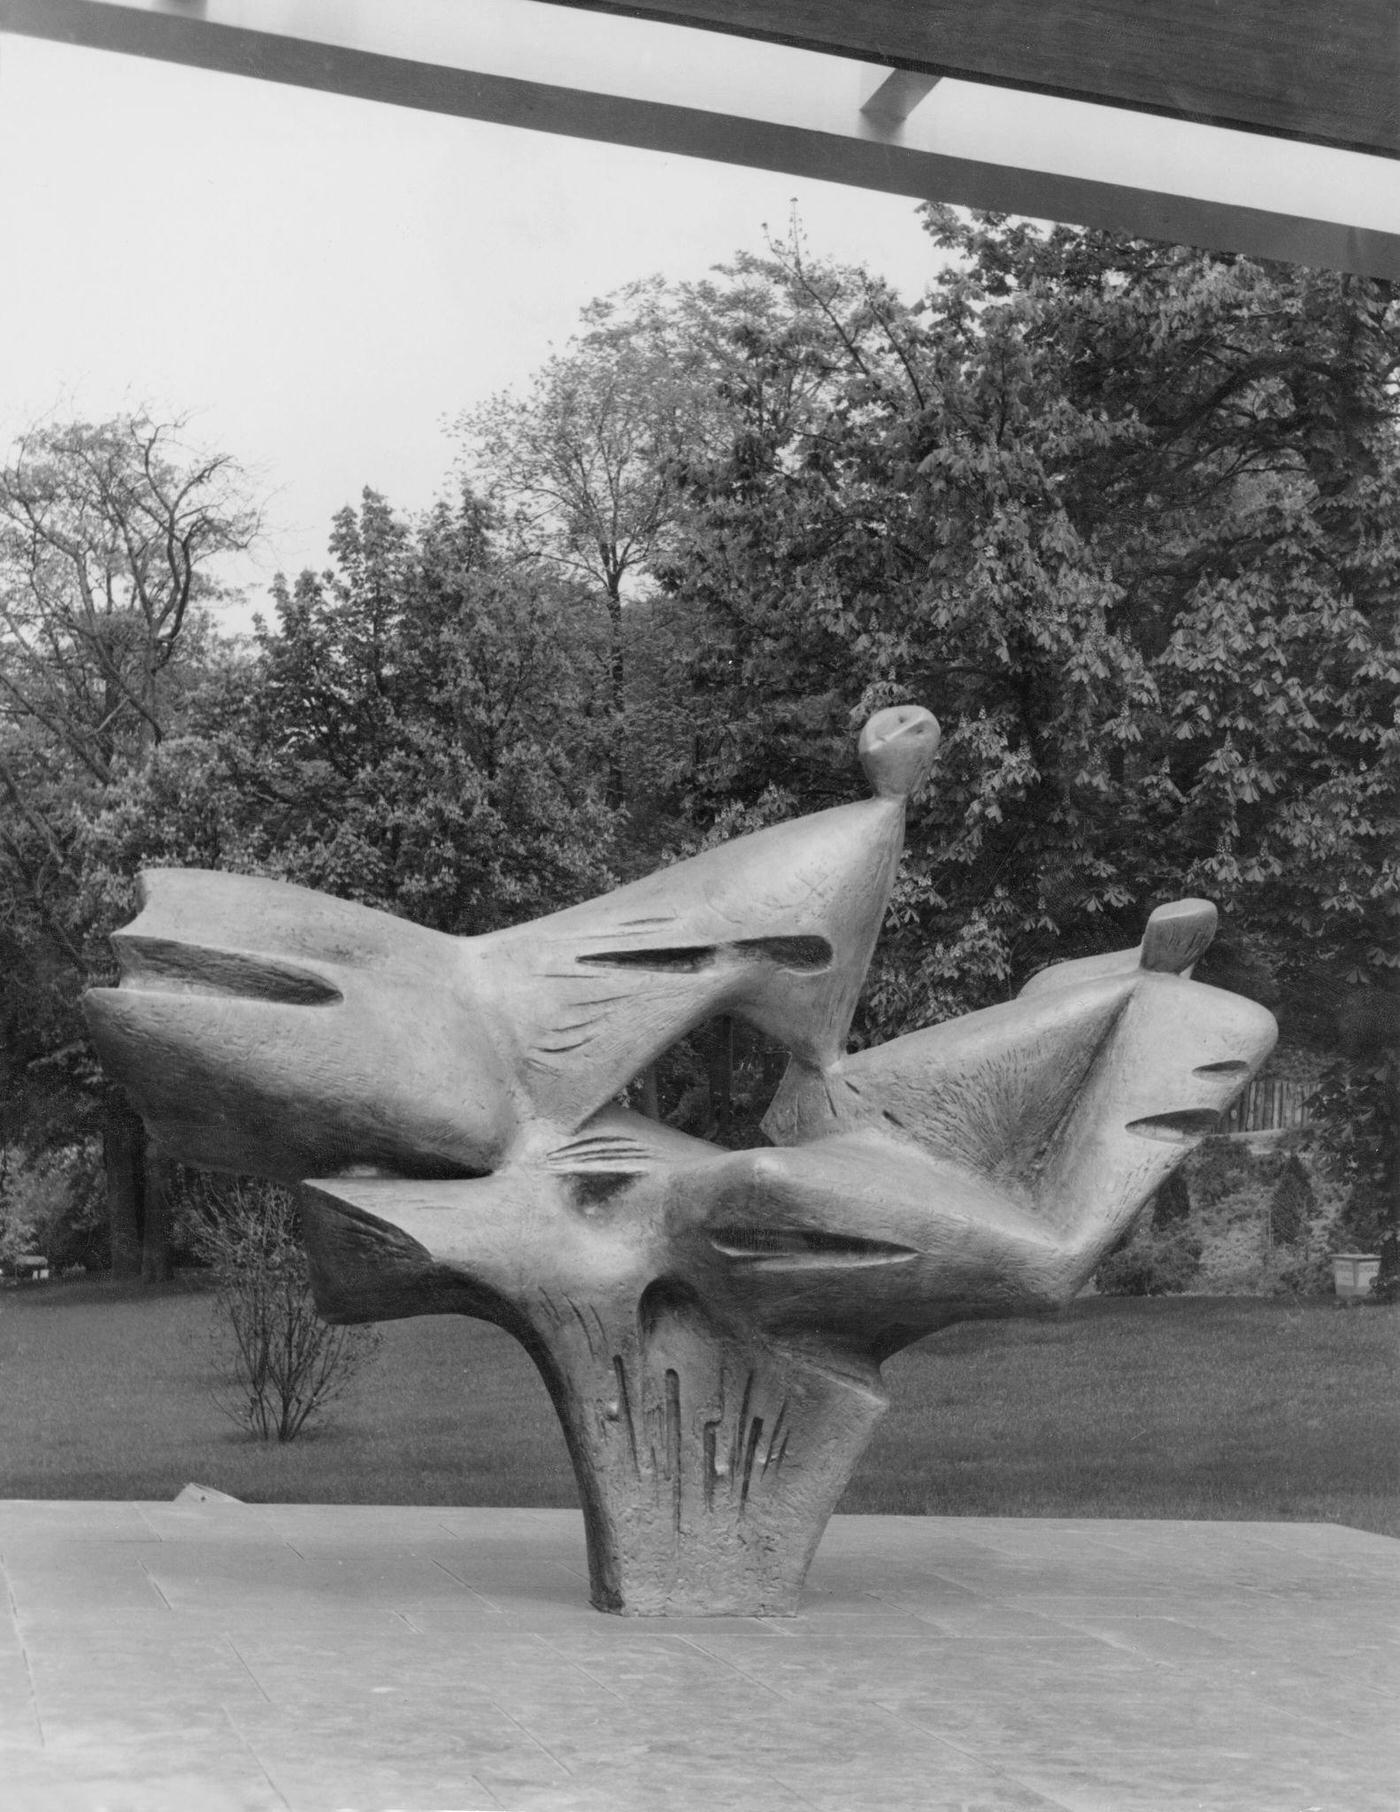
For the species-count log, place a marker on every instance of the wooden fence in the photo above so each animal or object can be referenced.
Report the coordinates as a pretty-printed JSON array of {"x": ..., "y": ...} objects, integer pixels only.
[{"x": 1269, "y": 1104}]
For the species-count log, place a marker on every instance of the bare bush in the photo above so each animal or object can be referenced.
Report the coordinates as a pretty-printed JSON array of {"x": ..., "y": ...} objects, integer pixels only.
[{"x": 284, "y": 1363}]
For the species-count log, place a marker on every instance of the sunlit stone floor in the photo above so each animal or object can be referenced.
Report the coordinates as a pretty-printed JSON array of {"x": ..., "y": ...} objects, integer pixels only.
[{"x": 156, "y": 1657}]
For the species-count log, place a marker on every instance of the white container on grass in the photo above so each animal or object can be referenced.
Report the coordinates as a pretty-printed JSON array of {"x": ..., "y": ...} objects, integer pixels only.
[{"x": 1353, "y": 1273}]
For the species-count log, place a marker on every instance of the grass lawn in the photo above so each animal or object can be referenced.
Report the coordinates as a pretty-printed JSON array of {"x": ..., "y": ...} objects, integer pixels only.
[{"x": 1161, "y": 1407}]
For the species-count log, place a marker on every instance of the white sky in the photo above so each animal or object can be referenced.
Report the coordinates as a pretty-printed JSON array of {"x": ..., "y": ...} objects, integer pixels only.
[{"x": 325, "y": 282}]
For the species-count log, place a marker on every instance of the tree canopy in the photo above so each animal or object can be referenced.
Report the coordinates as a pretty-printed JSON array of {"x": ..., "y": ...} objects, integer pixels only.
[
  {"x": 110, "y": 534},
  {"x": 1124, "y": 515}
]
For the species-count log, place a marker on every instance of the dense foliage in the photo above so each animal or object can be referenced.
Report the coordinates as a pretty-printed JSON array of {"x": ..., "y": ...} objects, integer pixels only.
[
  {"x": 419, "y": 729},
  {"x": 109, "y": 535},
  {"x": 1124, "y": 515}
]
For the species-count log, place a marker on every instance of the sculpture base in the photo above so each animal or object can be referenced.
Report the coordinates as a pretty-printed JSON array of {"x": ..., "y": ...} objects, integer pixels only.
[
  {"x": 300, "y": 1657},
  {"x": 707, "y": 1464},
  {"x": 707, "y": 1460}
]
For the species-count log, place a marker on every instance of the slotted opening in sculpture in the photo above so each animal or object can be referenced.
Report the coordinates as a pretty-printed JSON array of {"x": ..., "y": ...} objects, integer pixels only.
[{"x": 710, "y": 1324}]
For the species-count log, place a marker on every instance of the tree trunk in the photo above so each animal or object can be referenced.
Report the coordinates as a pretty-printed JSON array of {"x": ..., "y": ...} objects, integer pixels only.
[
  {"x": 155, "y": 1216},
  {"x": 123, "y": 1157},
  {"x": 617, "y": 779}
]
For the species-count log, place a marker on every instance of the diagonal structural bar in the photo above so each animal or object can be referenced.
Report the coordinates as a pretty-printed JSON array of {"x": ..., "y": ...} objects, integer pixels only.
[
  {"x": 891, "y": 95},
  {"x": 583, "y": 74}
]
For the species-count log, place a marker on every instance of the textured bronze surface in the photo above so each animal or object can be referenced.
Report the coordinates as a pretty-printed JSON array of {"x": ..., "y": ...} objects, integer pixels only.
[{"x": 710, "y": 1324}]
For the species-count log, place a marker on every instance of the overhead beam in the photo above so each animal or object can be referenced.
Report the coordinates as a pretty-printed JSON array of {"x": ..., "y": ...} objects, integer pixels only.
[
  {"x": 1328, "y": 74},
  {"x": 517, "y": 63}
]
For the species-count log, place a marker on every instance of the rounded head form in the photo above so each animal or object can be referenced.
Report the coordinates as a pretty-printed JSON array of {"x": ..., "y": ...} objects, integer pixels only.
[{"x": 897, "y": 748}]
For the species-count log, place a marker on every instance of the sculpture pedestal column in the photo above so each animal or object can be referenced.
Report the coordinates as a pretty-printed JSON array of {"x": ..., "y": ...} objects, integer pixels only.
[
  {"x": 707, "y": 1463},
  {"x": 708, "y": 1456}
]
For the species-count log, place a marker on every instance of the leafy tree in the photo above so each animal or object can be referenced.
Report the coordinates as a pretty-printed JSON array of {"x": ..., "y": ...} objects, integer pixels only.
[
  {"x": 1125, "y": 515},
  {"x": 587, "y": 463},
  {"x": 421, "y": 729},
  {"x": 109, "y": 537},
  {"x": 582, "y": 463}
]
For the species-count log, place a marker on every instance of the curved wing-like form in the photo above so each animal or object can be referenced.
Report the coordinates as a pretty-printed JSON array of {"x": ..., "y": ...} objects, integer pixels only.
[
  {"x": 776, "y": 928},
  {"x": 262, "y": 1027},
  {"x": 1016, "y": 1144},
  {"x": 266, "y": 1028},
  {"x": 1022, "y": 1142}
]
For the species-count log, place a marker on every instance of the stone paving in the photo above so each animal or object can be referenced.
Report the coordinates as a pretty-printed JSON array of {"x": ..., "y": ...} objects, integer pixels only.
[{"x": 239, "y": 1658}]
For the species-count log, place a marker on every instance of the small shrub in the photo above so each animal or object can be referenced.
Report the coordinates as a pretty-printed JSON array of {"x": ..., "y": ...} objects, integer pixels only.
[
  {"x": 1293, "y": 1203},
  {"x": 1357, "y": 1110},
  {"x": 1303, "y": 1270},
  {"x": 52, "y": 1204},
  {"x": 1234, "y": 1258},
  {"x": 1304, "y": 1212},
  {"x": 1172, "y": 1203},
  {"x": 1267, "y": 1218},
  {"x": 283, "y": 1362},
  {"x": 1220, "y": 1168},
  {"x": 1155, "y": 1260}
]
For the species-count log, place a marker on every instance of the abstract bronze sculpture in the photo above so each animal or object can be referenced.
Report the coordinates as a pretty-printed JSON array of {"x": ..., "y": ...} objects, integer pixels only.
[{"x": 710, "y": 1324}]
